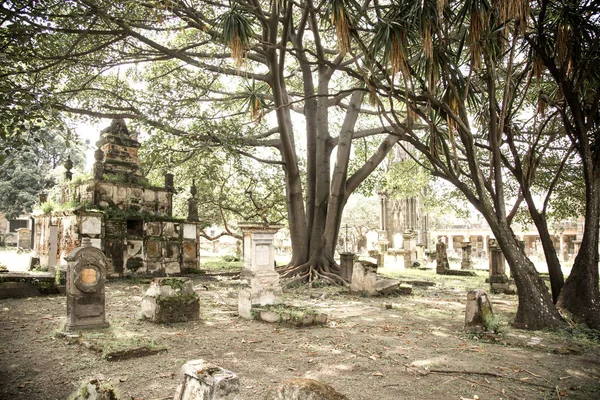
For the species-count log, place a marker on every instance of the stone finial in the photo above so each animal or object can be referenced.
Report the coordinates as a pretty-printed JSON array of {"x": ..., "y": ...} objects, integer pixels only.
[
  {"x": 99, "y": 164},
  {"x": 117, "y": 126},
  {"x": 68, "y": 165},
  {"x": 193, "y": 188}
]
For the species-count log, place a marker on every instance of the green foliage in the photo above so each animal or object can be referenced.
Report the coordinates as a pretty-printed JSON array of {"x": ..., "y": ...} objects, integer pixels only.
[{"x": 29, "y": 171}]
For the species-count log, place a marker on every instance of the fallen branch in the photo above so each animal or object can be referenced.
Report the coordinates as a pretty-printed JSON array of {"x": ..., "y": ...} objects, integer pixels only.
[{"x": 450, "y": 371}]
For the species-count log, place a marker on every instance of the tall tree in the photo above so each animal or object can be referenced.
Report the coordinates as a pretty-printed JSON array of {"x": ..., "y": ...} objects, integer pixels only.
[
  {"x": 443, "y": 62},
  {"x": 29, "y": 171},
  {"x": 276, "y": 60},
  {"x": 566, "y": 40}
]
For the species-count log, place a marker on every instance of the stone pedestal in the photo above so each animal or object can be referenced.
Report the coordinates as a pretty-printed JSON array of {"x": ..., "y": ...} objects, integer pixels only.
[
  {"x": 409, "y": 242},
  {"x": 346, "y": 265},
  {"x": 86, "y": 274},
  {"x": 441, "y": 257},
  {"x": 466, "y": 262},
  {"x": 202, "y": 380},
  {"x": 259, "y": 282},
  {"x": 171, "y": 300},
  {"x": 24, "y": 238},
  {"x": 499, "y": 281}
]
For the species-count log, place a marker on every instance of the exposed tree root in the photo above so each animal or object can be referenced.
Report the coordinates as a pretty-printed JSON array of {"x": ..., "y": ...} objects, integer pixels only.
[{"x": 311, "y": 273}]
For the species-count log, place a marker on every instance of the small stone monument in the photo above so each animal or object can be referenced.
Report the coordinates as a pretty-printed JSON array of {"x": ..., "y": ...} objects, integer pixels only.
[
  {"x": 409, "y": 242},
  {"x": 202, "y": 380},
  {"x": 346, "y": 266},
  {"x": 364, "y": 278},
  {"x": 499, "y": 281},
  {"x": 171, "y": 300},
  {"x": 441, "y": 257},
  {"x": 24, "y": 238},
  {"x": 466, "y": 262},
  {"x": 479, "y": 309},
  {"x": 259, "y": 281},
  {"x": 86, "y": 274}
]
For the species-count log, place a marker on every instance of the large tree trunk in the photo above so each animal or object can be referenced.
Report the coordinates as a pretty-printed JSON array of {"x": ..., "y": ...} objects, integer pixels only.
[
  {"x": 536, "y": 309},
  {"x": 580, "y": 294},
  {"x": 557, "y": 279}
]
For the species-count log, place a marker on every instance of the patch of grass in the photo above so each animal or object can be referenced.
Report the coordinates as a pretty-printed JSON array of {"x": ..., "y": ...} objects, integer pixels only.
[{"x": 219, "y": 264}]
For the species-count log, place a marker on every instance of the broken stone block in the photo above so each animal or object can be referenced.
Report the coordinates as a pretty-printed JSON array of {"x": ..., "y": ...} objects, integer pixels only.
[
  {"x": 171, "y": 300},
  {"x": 404, "y": 289},
  {"x": 479, "y": 309},
  {"x": 303, "y": 389},
  {"x": 387, "y": 286},
  {"x": 364, "y": 278},
  {"x": 96, "y": 388},
  {"x": 202, "y": 380}
]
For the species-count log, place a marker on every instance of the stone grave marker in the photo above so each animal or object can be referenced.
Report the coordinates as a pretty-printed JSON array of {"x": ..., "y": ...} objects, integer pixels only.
[
  {"x": 259, "y": 281},
  {"x": 479, "y": 309},
  {"x": 441, "y": 257},
  {"x": 171, "y": 300},
  {"x": 466, "y": 262},
  {"x": 202, "y": 380},
  {"x": 86, "y": 275}
]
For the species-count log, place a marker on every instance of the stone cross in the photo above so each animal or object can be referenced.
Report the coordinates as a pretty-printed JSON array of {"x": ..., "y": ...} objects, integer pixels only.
[
  {"x": 86, "y": 275},
  {"x": 259, "y": 281}
]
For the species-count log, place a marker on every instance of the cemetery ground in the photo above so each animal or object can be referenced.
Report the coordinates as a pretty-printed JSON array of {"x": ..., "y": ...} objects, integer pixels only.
[{"x": 417, "y": 349}]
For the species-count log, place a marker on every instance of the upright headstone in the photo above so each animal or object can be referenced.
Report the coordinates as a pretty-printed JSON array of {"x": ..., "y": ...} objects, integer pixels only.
[
  {"x": 346, "y": 265},
  {"x": 24, "y": 238},
  {"x": 479, "y": 309},
  {"x": 441, "y": 257},
  {"x": 86, "y": 274},
  {"x": 499, "y": 281},
  {"x": 466, "y": 262},
  {"x": 259, "y": 281}
]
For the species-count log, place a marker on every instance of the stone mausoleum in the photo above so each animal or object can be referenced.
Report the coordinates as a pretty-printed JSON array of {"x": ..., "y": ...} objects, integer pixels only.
[{"x": 121, "y": 214}]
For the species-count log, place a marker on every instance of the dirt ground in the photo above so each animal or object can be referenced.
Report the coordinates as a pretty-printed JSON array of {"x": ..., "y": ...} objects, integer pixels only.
[{"x": 418, "y": 349}]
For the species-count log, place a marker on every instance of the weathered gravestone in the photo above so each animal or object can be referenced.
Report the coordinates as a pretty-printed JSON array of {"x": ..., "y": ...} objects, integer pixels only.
[
  {"x": 303, "y": 389},
  {"x": 169, "y": 300},
  {"x": 346, "y": 266},
  {"x": 479, "y": 309},
  {"x": 441, "y": 257},
  {"x": 86, "y": 275},
  {"x": 466, "y": 262},
  {"x": 201, "y": 380},
  {"x": 259, "y": 282},
  {"x": 96, "y": 388},
  {"x": 364, "y": 278},
  {"x": 499, "y": 281}
]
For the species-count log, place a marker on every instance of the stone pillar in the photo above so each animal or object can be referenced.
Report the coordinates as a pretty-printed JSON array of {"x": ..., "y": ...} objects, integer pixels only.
[
  {"x": 382, "y": 248},
  {"x": 466, "y": 262},
  {"x": 450, "y": 244},
  {"x": 499, "y": 281},
  {"x": 346, "y": 266},
  {"x": 86, "y": 274},
  {"x": 259, "y": 281},
  {"x": 441, "y": 258},
  {"x": 409, "y": 241}
]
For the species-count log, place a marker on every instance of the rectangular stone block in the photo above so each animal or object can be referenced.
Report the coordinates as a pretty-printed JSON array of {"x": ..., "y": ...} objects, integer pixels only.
[
  {"x": 189, "y": 250},
  {"x": 154, "y": 249},
  {"x": 91, "y": 225},
  {"x": 189, "y": 231}
]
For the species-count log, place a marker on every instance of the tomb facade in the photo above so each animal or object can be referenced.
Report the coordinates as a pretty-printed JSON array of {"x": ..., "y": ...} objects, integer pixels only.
[{"x": 123, "y": 215}]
